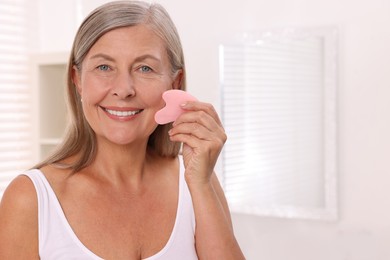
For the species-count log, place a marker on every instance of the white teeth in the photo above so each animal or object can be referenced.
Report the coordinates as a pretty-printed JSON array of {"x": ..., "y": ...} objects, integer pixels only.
[{"x": 122, "y": 113}]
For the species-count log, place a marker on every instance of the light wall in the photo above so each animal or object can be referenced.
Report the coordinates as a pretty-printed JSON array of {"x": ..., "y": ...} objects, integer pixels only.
[{"x": 363, "y": 229}]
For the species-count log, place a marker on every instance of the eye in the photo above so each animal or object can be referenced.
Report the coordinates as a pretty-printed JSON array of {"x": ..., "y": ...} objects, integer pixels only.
[
  {"x": 145, "y": 69},
  {"x": 103, "y": 67}
]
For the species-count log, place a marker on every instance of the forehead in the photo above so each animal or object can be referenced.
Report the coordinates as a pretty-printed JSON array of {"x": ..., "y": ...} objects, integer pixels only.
[{"x": 134, "y": 40}]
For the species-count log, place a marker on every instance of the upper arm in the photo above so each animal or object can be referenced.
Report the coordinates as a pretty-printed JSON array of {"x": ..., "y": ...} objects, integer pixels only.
[{"x": 19, "y": 221}]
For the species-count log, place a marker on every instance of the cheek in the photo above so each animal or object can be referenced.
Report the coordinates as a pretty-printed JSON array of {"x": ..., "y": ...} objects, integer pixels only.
[
  {"x": 155, "y": 100},
  {"x": 153, "y": 95},
  {"x": 93, "y": 90}
]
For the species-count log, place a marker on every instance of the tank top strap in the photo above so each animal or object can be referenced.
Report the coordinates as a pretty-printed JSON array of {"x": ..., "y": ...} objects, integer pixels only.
[
  {"x": 44, "y": 200},
  {"x": 56, "y": 238}
]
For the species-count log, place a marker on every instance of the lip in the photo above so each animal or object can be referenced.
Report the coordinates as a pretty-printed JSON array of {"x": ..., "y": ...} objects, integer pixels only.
[{"x": 121, "y": 113}]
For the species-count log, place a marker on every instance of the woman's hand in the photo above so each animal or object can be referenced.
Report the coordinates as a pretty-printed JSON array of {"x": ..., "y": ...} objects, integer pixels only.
[{"x": 203, "y": 137}]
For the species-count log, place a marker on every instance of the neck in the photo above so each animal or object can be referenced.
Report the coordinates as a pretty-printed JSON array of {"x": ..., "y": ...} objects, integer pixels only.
[{"x": 120, "y": 164}]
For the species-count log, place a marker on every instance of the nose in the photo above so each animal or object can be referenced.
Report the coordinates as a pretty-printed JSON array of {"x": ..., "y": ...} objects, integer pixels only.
[{"x": 123, "y": 86}]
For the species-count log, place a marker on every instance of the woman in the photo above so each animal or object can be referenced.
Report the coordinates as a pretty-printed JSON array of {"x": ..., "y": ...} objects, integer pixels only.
[{"x": 116, "y": 188}]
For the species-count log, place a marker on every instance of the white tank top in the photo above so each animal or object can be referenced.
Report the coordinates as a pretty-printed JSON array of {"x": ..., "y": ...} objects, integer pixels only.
[{"x": 57, "y": 241}]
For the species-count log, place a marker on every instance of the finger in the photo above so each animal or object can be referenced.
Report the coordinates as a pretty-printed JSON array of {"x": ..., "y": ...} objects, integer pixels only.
[
  {"x": 214, "y": 146},
  {"x": 199, "y": 117},
  {"x": 195, "y": 129},
  {"x": 201, "y": 106},
  {"x": 199, "y": 132}
]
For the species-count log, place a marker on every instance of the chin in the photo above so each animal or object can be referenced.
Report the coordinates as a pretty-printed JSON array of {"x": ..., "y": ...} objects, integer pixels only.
[{"x": 124, "y": 140}]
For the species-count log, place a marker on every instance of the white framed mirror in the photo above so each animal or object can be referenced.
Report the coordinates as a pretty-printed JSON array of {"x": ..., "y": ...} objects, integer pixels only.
[{"x": 279, "y": 108}]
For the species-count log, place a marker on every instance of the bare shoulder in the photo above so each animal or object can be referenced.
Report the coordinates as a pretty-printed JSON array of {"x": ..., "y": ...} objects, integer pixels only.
[
  {"x": 20, "y": 195},
  {"x": 55, "y": 174},
  {"x": 19, "y": 220}
]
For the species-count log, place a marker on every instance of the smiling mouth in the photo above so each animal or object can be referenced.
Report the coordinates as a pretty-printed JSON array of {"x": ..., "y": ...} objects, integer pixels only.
[{"x": 122, "y": 113}]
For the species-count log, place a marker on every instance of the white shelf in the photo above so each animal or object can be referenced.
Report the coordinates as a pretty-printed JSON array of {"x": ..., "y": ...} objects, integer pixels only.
[{"x": 49, "y": 81}]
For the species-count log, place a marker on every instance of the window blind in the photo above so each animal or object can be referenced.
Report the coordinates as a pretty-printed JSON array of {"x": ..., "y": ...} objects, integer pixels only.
[
  {"x": 274, "y": 114},
  {"x": 15, "y": 95}
]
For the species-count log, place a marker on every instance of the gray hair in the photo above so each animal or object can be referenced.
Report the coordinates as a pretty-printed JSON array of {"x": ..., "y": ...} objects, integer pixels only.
[{"x": 80, "y": 138}]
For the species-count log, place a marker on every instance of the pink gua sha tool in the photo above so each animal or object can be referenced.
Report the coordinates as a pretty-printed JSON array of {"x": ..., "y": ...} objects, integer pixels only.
[{"x": 172, "y": 110}]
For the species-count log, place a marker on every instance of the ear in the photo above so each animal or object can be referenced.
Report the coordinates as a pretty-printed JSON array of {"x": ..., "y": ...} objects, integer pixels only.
[
  {"x": 76, "y": 78},
  {"x": 177, "y": 80}
]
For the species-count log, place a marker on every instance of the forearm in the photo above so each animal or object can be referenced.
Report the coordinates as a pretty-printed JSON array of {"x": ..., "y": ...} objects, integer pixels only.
[
  {"x": 202, "y": 134},
  {"x": 214, "y": 233}
]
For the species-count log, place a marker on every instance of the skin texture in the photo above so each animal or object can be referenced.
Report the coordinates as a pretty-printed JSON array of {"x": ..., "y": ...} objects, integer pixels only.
[{"x": 121, "y": 82}]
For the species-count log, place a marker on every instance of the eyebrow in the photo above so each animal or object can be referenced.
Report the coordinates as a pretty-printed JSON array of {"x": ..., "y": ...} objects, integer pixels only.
[
  {"x": 102, "y": 55},
  {"x": 138, "y": 59},
  {"x": 147, "y": 56}
]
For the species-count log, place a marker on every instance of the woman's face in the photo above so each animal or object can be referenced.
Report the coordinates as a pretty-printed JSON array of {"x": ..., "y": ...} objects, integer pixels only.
[{"x": 121, "y": 82}]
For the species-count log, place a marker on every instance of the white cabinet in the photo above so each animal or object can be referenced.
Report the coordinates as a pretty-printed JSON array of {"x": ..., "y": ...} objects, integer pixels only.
[{"x": 49, "y": 101}]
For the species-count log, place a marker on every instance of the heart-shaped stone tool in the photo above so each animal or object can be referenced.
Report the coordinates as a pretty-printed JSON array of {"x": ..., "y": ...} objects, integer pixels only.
[{"x": 172, "y": 110}]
